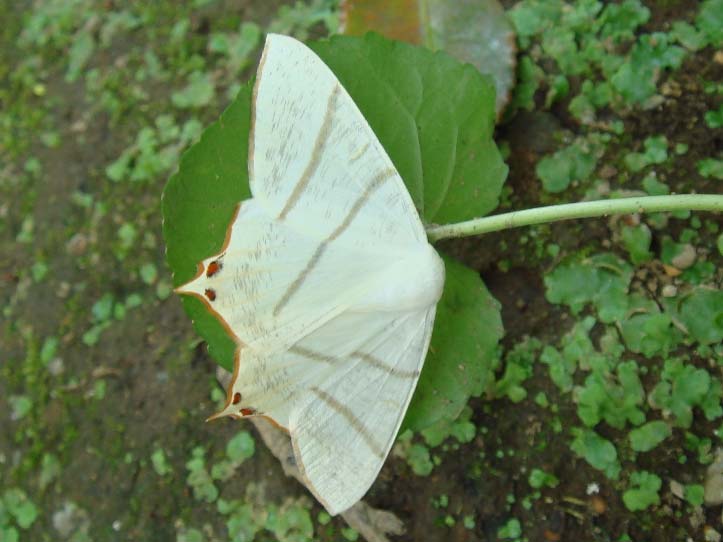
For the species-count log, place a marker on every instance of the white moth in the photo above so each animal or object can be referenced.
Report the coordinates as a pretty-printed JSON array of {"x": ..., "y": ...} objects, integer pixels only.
[{"x": 326, "y": 280}]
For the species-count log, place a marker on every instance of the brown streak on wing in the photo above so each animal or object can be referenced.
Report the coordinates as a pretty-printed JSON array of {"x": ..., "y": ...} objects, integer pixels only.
[
  {"x": 254, "y": 94},
  {"x": 376, "y": 182},
  {"x": 354, "y": 422},
  {"x": 294, "y": 286},
  {"x": 312, "y": 355},
  {"x": 358, "y": 204},
  {"x": 379, "y": 364},
  {"x": 316, "y": 154}
]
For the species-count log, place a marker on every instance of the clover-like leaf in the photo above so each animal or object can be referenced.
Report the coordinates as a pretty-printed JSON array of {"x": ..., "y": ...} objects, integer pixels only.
[
  {"x": 648, "y": 436},
  {"x": 602, "y": 279},
  {"x": 702, "y": 314},
  {"x": 644, "y": 492},
  {"x": 596, "y": 450},
  {"x": 434, "y": 116},
  {"x": 681, "y": 388}
]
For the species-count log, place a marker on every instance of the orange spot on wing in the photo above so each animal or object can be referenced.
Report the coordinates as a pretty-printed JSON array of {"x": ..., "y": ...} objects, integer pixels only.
[
  {"x": 210, "y": 294},
  {"x": 248, "y": 411},
  {"x": 213, "y": 268},
  {"x": 236, "y": 398}
]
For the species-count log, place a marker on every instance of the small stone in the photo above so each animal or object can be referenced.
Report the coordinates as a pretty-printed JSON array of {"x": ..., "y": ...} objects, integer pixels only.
[
  {"x": 56, "y": 366},
  {"x": 77, "y": 245},
  {"x": 671, "y": 88},
  {"x": 713, "y": 486},
  {"x": 63, "y": 290},
  {"x": 677, "y": 489},
  {"x": 718, "y": 57},
  {"x": 710, "y": 534},
  {"x": 686, "y": 258},
  {"x": 669, "y": 290},
  {"x": 71, "y": 519},
  {"x": 607, "y": 171},
  {"x": 598, "y": 505}
]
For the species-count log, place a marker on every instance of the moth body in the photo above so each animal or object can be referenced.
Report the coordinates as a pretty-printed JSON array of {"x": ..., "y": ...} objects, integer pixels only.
[{"x": 413, "y": 282}]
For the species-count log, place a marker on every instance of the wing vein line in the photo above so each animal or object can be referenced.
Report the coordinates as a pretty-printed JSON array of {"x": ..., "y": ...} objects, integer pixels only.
[
  {"x": 379, "y": 364},
  {"x": 375, "y": 183},
  {"x": 316, "y": 154},
  {"x": 301, "y": 277},
  {"x": 353, "y": 421}
]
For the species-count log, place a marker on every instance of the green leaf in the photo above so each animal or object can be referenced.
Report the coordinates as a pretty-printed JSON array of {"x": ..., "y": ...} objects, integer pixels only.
[
  {"x": 681, "y": 388},
  {"x": 616, "y": 401},
  {"x": 688, "y": 36},
  {"x": 435, "y": 118},
  {"x": 197, "y": 93},
  {"x": 419, "y": 460},
  {"x": 561, "y": 368},
  {"x": 539, "y": 478},
  {"x": 602, "y": 279},
  {"x": 702, "y": 314},
  {"x": 710, "y": 168},
  {"x": 714, "y": 118},
  {"x": 519, "y": 363},
  {"x": 710, "y": 21},
  {"x": 573, "y": 163},
  {"x": 636, "y": 240},
  {"x": 160, "y": 463},
  {"x": 597, "y": 451},
  {"x": 656, "y": 152},
  {"x": 511, "y": 530},
  {"x": 694, "y": 494},
  {"x": 647, "y": 330},
  {"x": 79, "y": 54},
  {"x": 20, "y": 506},
  {"x": 461, "y": 429},
  {"x": 241, "y": 447},
  {"x": 648, "y": 436},
  {"x": 637, "y": 77},
  {"x": 50, "y": 469},
  {"x": 644, "y": 492},
  {"x": 619, "y": 21}
]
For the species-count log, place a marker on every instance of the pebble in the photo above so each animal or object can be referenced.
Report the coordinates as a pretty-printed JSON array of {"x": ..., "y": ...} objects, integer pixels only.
[
  {"x": 676, "y": 488},
  {"x": 77, "y": 245},
  {"x": 686, "y": 258},
  {"x": 669, "y": 290},
  {"x": 713, "y": 485},
  {"x": 711, "y": 535},
  {"x": 71, "y": 519}
]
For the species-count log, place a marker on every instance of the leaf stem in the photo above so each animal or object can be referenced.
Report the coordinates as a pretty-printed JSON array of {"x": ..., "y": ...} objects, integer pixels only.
[{"x": 585, "y": 209}]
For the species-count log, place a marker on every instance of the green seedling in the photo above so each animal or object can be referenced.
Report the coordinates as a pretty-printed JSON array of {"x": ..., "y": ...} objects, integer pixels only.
[
  {"x": 644, "y": 491},
  {"x": 600, "y": 453}
]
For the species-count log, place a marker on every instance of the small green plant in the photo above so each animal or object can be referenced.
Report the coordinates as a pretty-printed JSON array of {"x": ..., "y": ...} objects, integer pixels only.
[{"x": 643, "y": 492}]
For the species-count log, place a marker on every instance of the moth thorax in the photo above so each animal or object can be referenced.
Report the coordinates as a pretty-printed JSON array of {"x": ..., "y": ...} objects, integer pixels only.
[{"x": 413, "y": 282}]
